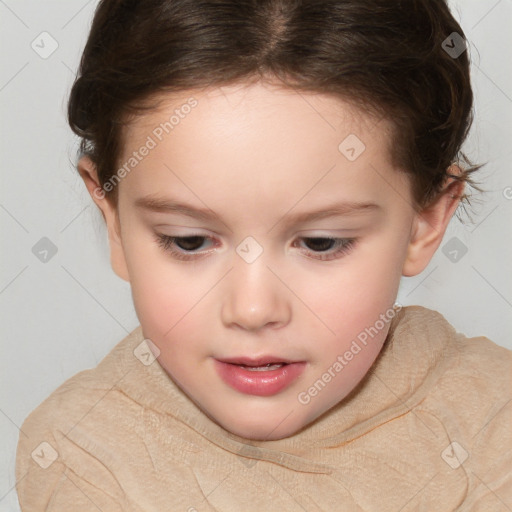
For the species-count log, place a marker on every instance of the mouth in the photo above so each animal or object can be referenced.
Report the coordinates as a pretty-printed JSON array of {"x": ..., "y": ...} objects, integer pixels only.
[
  {"x": 263, "y": 376},
  {"x": 260, "y": 364}
]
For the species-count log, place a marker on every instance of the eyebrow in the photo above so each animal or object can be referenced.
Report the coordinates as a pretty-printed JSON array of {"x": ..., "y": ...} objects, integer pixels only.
[{"x": 164, "y": 205}]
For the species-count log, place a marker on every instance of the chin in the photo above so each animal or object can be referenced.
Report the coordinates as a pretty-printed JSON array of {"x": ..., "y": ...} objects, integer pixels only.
[
  {"x": 257, "y": 434},
  {"x": 261, "y": 429}
]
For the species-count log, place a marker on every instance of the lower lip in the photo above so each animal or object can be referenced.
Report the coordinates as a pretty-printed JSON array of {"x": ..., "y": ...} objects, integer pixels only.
[{"x": 259, "y": 383}]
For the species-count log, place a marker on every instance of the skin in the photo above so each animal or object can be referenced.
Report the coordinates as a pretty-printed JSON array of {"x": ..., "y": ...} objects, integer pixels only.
[{"x": 255, "y": 155}]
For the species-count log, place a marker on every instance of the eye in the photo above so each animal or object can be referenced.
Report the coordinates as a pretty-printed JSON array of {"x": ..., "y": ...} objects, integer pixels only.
[
  {"x": 326, "y": 248},
  {"x": 321, "y": 248},
  {"x": 182, "y": 247}
]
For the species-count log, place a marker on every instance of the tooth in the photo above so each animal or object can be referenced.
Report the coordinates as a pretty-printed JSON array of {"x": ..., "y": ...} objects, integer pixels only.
[{"x": 267, "y": 367}]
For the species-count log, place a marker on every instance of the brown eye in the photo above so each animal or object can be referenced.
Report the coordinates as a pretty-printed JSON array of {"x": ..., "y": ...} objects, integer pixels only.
[
  {"x": 189, "y": 243},
  {"x": 327, "y": 249},
  {"x": 183, "y": 247},
  {"x": 320, "y": 244}
]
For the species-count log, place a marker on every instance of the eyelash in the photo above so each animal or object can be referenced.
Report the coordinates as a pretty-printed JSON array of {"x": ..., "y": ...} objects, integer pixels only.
[{"x": 166, "y": 242}]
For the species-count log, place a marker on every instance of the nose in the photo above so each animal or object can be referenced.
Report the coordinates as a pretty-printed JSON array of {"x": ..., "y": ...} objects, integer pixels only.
[{"x": 254, "y": 298}]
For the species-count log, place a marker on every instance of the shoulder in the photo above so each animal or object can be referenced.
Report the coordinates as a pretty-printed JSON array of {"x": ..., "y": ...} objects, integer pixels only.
[
  {"x": 81, "y": 393},
  {"x": 430, "y": 331},
  {"x": 56, "y": 456},
  {"x": 471, "y": 362},
  {"x": 468, "y": 406},
  {"x": 466, "y": 370}
]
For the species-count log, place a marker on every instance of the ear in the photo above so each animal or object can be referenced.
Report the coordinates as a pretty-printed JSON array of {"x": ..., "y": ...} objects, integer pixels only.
[
  {"x": 88, "y": 172},
  {"x": 430, "y": 225}
]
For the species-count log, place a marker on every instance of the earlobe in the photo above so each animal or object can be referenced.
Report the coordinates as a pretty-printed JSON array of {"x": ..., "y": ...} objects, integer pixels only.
[
  {"x": 430, "y": 225},
  {"x": 88, "y": 172}
]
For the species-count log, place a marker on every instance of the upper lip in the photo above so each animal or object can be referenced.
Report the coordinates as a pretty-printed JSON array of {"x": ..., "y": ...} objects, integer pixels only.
[{"x": 256, "y": 361}]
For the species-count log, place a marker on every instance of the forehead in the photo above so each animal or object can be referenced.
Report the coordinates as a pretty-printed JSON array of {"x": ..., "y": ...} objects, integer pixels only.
[
  {"x": 262, "y": 108},
  {"x": 260, "y": 140}
]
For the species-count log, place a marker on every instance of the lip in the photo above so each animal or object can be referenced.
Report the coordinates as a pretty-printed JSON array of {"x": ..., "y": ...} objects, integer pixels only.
[
  {"x": 257, "y": 361},
  {"x": 258, "y": 383}
]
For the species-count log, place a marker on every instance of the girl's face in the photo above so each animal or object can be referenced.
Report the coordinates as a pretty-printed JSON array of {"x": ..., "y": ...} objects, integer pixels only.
[{"x": 262, "y": 226}]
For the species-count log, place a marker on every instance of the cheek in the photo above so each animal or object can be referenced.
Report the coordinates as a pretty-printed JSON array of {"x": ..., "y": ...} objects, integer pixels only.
[
  {"x": 164, "y": 295},
  {"x": 353, "y": 296},
  {"x": 170, "y": 314},
  {"x": 165, "y": 305},
  {"x": 348, "y": 302}
]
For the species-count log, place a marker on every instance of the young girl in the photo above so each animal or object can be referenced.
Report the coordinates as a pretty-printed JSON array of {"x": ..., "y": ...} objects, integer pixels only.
[{"x": 267, "y": 171}]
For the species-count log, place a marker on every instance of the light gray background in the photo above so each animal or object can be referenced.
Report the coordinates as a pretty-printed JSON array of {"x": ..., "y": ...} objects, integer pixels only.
[{"x": 65, "y": 315}]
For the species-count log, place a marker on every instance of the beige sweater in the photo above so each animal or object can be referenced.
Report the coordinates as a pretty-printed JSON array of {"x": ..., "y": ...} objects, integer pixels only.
[{"x": 428, "y": 429}]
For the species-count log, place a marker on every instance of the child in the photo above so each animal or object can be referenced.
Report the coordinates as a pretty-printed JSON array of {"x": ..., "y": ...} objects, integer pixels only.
[{"x": 267, "y": 171}]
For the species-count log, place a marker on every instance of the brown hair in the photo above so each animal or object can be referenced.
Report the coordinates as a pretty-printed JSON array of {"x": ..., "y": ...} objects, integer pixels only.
[{"x": 385, "y": 56}]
